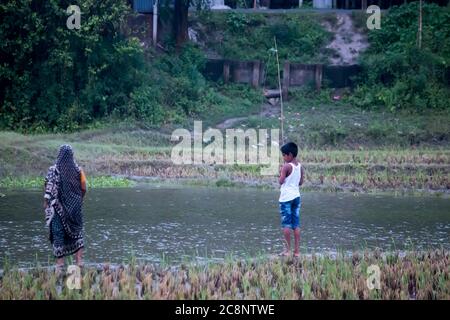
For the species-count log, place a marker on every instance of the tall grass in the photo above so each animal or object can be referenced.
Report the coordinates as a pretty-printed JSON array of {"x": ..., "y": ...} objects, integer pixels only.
[{"x": 412, "y": 275}]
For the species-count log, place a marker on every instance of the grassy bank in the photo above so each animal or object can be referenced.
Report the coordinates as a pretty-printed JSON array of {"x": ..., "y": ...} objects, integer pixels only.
[
  {"x": 38, "y": 182},
  {"x": 317, "y": 121},
  {"x": 342, "y": 148},
  {"x": 423, "y": 275}
]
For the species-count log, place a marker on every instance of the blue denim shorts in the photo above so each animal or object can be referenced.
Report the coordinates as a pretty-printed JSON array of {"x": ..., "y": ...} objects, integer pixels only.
[{"x": 290, "y": 213}]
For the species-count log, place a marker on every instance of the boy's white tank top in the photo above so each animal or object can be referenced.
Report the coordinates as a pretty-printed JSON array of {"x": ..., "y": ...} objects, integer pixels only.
[{"x": 290, "y": 189}]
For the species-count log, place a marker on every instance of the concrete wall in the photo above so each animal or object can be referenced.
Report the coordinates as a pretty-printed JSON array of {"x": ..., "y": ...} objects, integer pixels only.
[
  {"x": 301, "y": 74},
  {"x": 323, "y": 4},
  {"x": 340, "y": 76},
  {"x": 293, "y": 74},
  {"x": 298, "y": 75},
  {"x": 250, "y": 72}
]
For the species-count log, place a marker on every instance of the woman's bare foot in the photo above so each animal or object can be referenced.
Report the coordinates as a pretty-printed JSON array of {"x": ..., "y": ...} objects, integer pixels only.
[
  {"x": 60, "y": 263},
  {"x": 59, "y": 267},
  {"x": 79, "y": 258},
  {"x": 296, "y": 254},
  {"x": 59, "y": 270},
  {"x": 285, "y": 253}
]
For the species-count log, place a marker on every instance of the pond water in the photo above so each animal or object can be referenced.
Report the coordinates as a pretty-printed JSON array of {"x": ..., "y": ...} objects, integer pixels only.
[{"x": 151, "y": 222}]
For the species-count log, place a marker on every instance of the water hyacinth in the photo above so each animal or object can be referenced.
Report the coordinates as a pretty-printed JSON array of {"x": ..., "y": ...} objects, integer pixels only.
[{"x": 412, "y": 275}]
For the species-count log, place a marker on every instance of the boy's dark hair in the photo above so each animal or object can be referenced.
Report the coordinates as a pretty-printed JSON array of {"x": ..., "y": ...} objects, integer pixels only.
[{"x": 289, "y": 147}]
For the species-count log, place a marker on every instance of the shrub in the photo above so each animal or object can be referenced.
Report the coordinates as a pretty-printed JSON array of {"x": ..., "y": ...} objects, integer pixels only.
[{"x": 398, "y": 74}]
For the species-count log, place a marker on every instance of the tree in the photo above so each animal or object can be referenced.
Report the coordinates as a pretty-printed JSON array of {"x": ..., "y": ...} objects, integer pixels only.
[
  {"x": 419, "y": 33},
  {"x": 52, "y": 77},
  {"x": 180, "y": 22}
]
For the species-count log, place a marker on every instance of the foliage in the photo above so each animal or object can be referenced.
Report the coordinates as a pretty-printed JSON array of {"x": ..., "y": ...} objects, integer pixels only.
[
  {"x": 399, "y": 74},
  {"x": 59, "y": 78},
  {"x": 56, "y": 79},
  {"x": 300, "y": 37},
  {"x": 173, "y": 87}
]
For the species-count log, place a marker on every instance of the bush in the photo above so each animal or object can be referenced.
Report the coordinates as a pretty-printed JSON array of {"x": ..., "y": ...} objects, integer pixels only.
[
  {"x": 300, "y": 37},
  {"x": 398, "y": 74},
  {"x": 145, "y": 105},
  {"x": 58, "y": 79}
]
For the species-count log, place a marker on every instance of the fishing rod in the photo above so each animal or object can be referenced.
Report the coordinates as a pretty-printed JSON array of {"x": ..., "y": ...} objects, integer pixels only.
[{"x": 281, "y": 95}]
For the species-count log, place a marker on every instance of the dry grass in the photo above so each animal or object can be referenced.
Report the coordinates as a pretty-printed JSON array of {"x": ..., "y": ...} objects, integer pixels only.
[{"x": 415, "y": 275}]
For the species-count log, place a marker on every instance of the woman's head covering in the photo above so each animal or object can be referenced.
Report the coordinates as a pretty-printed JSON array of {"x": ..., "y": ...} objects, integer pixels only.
[
  {"x": 69, "y": 193},
  {"x": 65, "y": 156},
  {"x": 69, "y": 171},
  {"x": 66, "y": 165}
]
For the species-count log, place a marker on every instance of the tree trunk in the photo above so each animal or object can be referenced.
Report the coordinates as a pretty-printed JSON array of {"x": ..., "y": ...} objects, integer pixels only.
[
  {"x": 419, "y": 41},
  {"x": 181, "y": 22}
]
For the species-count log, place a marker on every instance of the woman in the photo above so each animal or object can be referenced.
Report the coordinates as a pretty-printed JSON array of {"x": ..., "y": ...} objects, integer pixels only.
[{"x": 65, "y": 187}]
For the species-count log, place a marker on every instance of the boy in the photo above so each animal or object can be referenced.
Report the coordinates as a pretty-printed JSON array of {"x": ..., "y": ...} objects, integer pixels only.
[{"x": 291, "y": 177}]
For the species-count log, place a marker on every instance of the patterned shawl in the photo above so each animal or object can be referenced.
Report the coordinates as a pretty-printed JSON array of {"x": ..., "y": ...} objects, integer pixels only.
[{"x": 64, "y": 191}]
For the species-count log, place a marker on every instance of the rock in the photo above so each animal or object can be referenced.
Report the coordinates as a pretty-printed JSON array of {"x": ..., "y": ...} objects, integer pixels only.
[
  {"x": 218, "y": 5},
  {"x": 193, "y": 35},
  {"x": 274, "y": 101}
]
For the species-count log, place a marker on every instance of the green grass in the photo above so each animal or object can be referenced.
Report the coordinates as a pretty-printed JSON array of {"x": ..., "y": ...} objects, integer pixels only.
[
  {"x": 38, "y": 182},
  {"x": 300, "y": 35},
  {"x": 343, "y": 148},
  {"x": 414, "y": 275},
  {"x": 225, "y": 183},
  {"x": 314, "y": 120},
  {"x": 135, "y": 151},
  {"x": 229, "y": 101}
]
